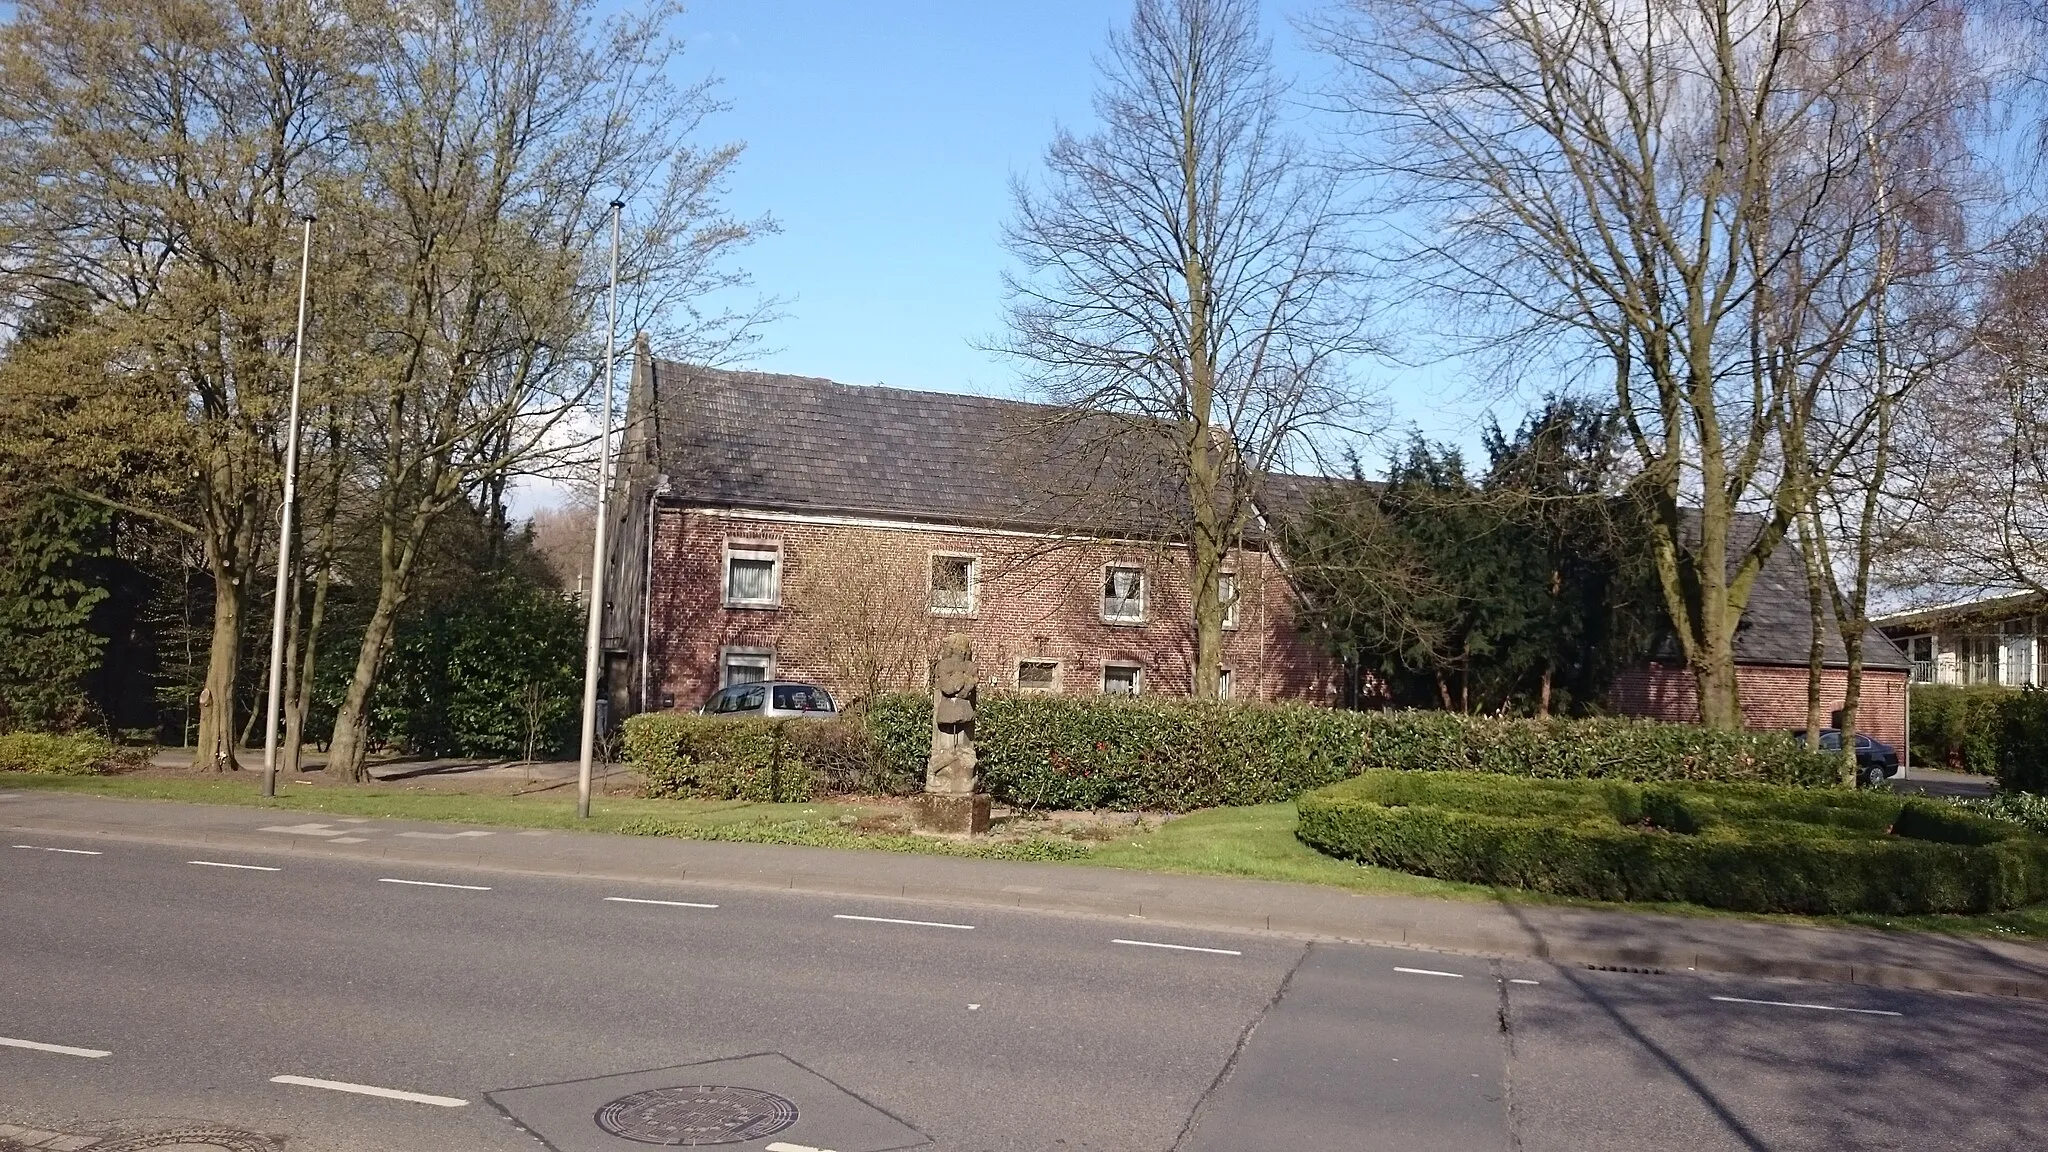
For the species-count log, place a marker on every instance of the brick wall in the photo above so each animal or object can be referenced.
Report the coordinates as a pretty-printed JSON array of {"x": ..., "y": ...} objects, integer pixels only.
[
  {"x": 1773, "y": 697},
  {"x": 854, "y": 600}
]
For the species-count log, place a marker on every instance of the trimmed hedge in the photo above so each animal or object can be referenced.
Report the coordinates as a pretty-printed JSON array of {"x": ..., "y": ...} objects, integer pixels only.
[
  {"x": 1749, "y": 847},
  {"x": 696, "y": 756},
  {"x": 1956, "y": 727},
  {"x": 1175, "y": 755},
  {"x": 2023, "y": 741},
  {"x": 78, "y": 754}
]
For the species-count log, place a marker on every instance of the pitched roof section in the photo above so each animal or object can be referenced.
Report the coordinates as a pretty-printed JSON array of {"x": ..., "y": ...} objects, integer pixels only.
[{"x": 804, "y": 444}]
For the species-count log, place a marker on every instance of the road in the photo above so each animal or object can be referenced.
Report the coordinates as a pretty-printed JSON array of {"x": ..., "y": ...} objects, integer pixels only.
[{"x": 413, "y": 1008}]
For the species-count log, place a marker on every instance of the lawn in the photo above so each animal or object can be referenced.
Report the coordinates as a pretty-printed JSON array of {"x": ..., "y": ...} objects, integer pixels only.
[{"x": 1254, "y": 842}]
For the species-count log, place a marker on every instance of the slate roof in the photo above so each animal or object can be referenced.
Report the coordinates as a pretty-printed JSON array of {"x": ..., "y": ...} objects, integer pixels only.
[{"x": 804, "y": 444}]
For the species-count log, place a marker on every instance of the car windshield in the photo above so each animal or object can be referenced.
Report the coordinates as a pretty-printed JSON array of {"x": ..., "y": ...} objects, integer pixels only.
[{"x": 801, "y": 698}]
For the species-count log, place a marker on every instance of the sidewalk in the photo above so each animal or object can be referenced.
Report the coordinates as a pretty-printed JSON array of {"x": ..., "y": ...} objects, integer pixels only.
[{"x": 1574, "y": 936}]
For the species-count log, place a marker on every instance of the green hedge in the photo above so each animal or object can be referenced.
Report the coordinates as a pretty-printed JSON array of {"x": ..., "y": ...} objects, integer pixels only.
[
  {"x": 1956, "y": 728},
  {"x": 1177, "y": 755},
  {"x": 2023, "y": 741},
  {"x": 679, "y": 754},
  {"x": 1749, "y": 847},
  {"x": 78, "y": 754}
]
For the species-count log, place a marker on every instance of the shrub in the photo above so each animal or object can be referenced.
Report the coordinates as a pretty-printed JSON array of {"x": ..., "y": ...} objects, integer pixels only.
[
  {"x": 1177, "y": 754},
  {"x": 78, "y": 754},
  {"x": 2026, "y": 809},
  {"x": 2023, "y": 741},
  {"x": 1750, "y": 847},
  {"x": 1956, "y": 727},
  {"x": 681, "y": 755}
]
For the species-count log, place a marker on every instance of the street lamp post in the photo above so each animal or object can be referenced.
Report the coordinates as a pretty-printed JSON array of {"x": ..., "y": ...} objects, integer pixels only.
[
  {"x": 593, "y": 639},
  {"x": 284, "y": 527}
]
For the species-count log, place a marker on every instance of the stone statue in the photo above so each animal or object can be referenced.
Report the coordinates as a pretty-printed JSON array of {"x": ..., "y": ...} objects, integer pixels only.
[
  {"x": 950, "y": 802},
  {"x": 955, "y": 686}
]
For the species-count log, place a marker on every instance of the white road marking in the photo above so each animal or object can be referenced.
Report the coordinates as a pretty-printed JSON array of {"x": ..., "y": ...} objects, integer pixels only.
[
  {"x": 59, "y": 1049},
  {"x": 66, "y": 851},
  {"x": 346, "y": 840},
  {"x": 1794, "y": 1004},
  {"x": 442, "y": 835},
  {"x": 1179, "y": 947},
  {"x": 912, "y": 923},
  {"x": 352, "y": 820},
  {"x": 664, "y": 903},
  {"x": 1519, "y": 980},
  {"x": 432, "y": 884},
  {"x": 371, "y": 1090},
  {"x": 304, "y": 829},
  {"x": 1431, "y": 972},
  {"x": 244, "y": 867},
  {"x": 779, "y": 1146}
]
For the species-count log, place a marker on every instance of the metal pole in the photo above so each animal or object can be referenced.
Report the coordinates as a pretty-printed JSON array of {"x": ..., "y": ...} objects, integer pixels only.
[
  {"x": 284, "y": 528},
  {"x": 593, "y": 639}
]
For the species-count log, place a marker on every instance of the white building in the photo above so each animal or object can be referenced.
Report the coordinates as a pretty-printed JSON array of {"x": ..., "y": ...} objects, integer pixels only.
[{"x": 1993, "y": 640}]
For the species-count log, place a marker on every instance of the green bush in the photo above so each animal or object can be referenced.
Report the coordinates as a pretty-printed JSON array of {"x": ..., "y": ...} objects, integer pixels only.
[
  {"x": 1176, "y": 754},
  {"x": 2027, "y": 809},
  {"x": 2023, "y": 741},
  {"x": 1956, "y": 728},
  {"x": 681, "y": 755},
  {"x": 1750, "y": 847},
  {"x": 78, "y": 754}
]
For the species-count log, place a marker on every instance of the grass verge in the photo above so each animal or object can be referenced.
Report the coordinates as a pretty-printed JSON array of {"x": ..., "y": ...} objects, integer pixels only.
[{"x": 1255, "y": 842}]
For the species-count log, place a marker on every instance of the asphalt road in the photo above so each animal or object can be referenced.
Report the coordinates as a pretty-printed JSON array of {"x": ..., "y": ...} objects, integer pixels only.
[{"x": 521, "y": 1007}]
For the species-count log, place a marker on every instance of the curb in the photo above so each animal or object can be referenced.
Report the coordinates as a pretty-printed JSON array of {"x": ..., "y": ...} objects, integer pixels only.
[{"x": 1350, "y": 929}]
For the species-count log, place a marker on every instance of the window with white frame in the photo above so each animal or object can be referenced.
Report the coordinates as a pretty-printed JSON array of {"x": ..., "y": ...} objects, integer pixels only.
[
  {"x": 1226, "y": 595},
  {"x": 753, "y": 574},
  {"x": 1977, "y": 659},
  {"x": 1121, "y": 679},
  {"x": 1038, "y": 675},
  {"x": 955, "y": 583},
  {"x": 1123, "y": 594},
  {"x": 1223, "y": 685},
  {"x": 745, "y": 666},
  {"x": 1920, "y": 650}
]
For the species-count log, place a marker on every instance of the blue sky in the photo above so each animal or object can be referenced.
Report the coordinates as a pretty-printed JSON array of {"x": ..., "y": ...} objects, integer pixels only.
[{"x": 883, "y": 135}]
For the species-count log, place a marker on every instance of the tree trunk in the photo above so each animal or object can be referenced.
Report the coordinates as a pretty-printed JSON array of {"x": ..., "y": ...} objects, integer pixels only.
[
  {"x": 349, "y": 752},
  {"x": 1543, "y": 694},
  {"x": 215, "y": 748},
  {"x": 1852, "y": 698},
  {"x": 1816, "y": 670},
  {"x": 1713, "y": 671}
]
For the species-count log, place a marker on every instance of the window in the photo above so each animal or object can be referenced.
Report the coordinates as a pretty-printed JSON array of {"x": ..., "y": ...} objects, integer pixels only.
[
  {"x": 744, "y": 666},
  {"x": 1977, "y": 659},
  {"x": 1223, "y": 684},
  {"x": 1038, "y": 676},
  {"x": 1120, "y": 679},
  {"x": 741, "y": 699},
  {"x": 1123, "y": 594},
  {"x": 753, "y": 574},
  {"x": 953, "y": 584},
  {"x": 801, "y": 698},
  {"x": 1920, "y": 650},
  {"x": 1226, "y": 595}
]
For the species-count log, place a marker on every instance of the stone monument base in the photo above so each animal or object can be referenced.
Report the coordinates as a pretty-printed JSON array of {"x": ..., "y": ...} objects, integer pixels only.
[{"x": 937, "y": 812}]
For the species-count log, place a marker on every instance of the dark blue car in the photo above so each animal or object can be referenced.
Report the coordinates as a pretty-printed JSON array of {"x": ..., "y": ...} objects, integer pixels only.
[{"x": 1876, "y": 761}]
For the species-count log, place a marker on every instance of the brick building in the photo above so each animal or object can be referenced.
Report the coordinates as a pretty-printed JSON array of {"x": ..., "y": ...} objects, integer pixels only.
[
  {"x": 1773, "y": 646},
  {"x": 769, "y": 526}
]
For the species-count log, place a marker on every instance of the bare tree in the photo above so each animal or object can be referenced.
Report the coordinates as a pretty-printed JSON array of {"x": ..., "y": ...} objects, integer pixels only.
[
  {"x": 1185, "y": 294},
  {"x": 1651, "y": 190},
  {"x": 863, "y": 615},
  {"x": 493, "y": 136}
]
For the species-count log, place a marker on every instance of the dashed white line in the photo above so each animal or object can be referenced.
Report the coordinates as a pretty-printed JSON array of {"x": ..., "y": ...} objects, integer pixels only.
[
  {"x": 912, "y": 923},
  {"x": 1179, "y": 947},
  {"x": 1795, "y": 1004},
  {"x": 225, "y": 864},
  {"x": 432, "y": 884},
  {"x": 59, "y": 1049},
  {"x": 663, "y": 903},
  {"x": 1519, "y": 980},
  {"x": 1431, "y": 972},
  {"x": 371, "y": 1090},
  {"x": 66, "y": 851},
  {"x": 779, "y": 1146}
]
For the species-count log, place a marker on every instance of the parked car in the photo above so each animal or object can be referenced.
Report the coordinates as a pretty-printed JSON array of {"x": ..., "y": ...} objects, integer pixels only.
[
  {"x": 774, "y": 699},
  {"x": 1876, "y": 761}
]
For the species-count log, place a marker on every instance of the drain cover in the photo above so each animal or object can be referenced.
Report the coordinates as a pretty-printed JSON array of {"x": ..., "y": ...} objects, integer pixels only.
[
  {"x": 190, "y": 1140},
  {"x": 691, "y": 1116}
]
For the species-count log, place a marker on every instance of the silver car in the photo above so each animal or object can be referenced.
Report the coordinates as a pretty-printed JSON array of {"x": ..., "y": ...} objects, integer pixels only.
[{"x": 774, "y": 699}]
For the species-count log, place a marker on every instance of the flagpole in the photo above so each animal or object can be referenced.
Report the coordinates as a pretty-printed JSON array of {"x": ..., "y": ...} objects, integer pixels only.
[
  {"x": 284, "y": 527},
  {"x": 593, "y": 639}
]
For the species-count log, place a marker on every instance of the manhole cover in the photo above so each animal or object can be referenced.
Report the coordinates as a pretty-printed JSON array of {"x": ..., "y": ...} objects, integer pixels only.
[
  {"x": 190, "y": 1140},
  {"x": 697, "y": 1115}
]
